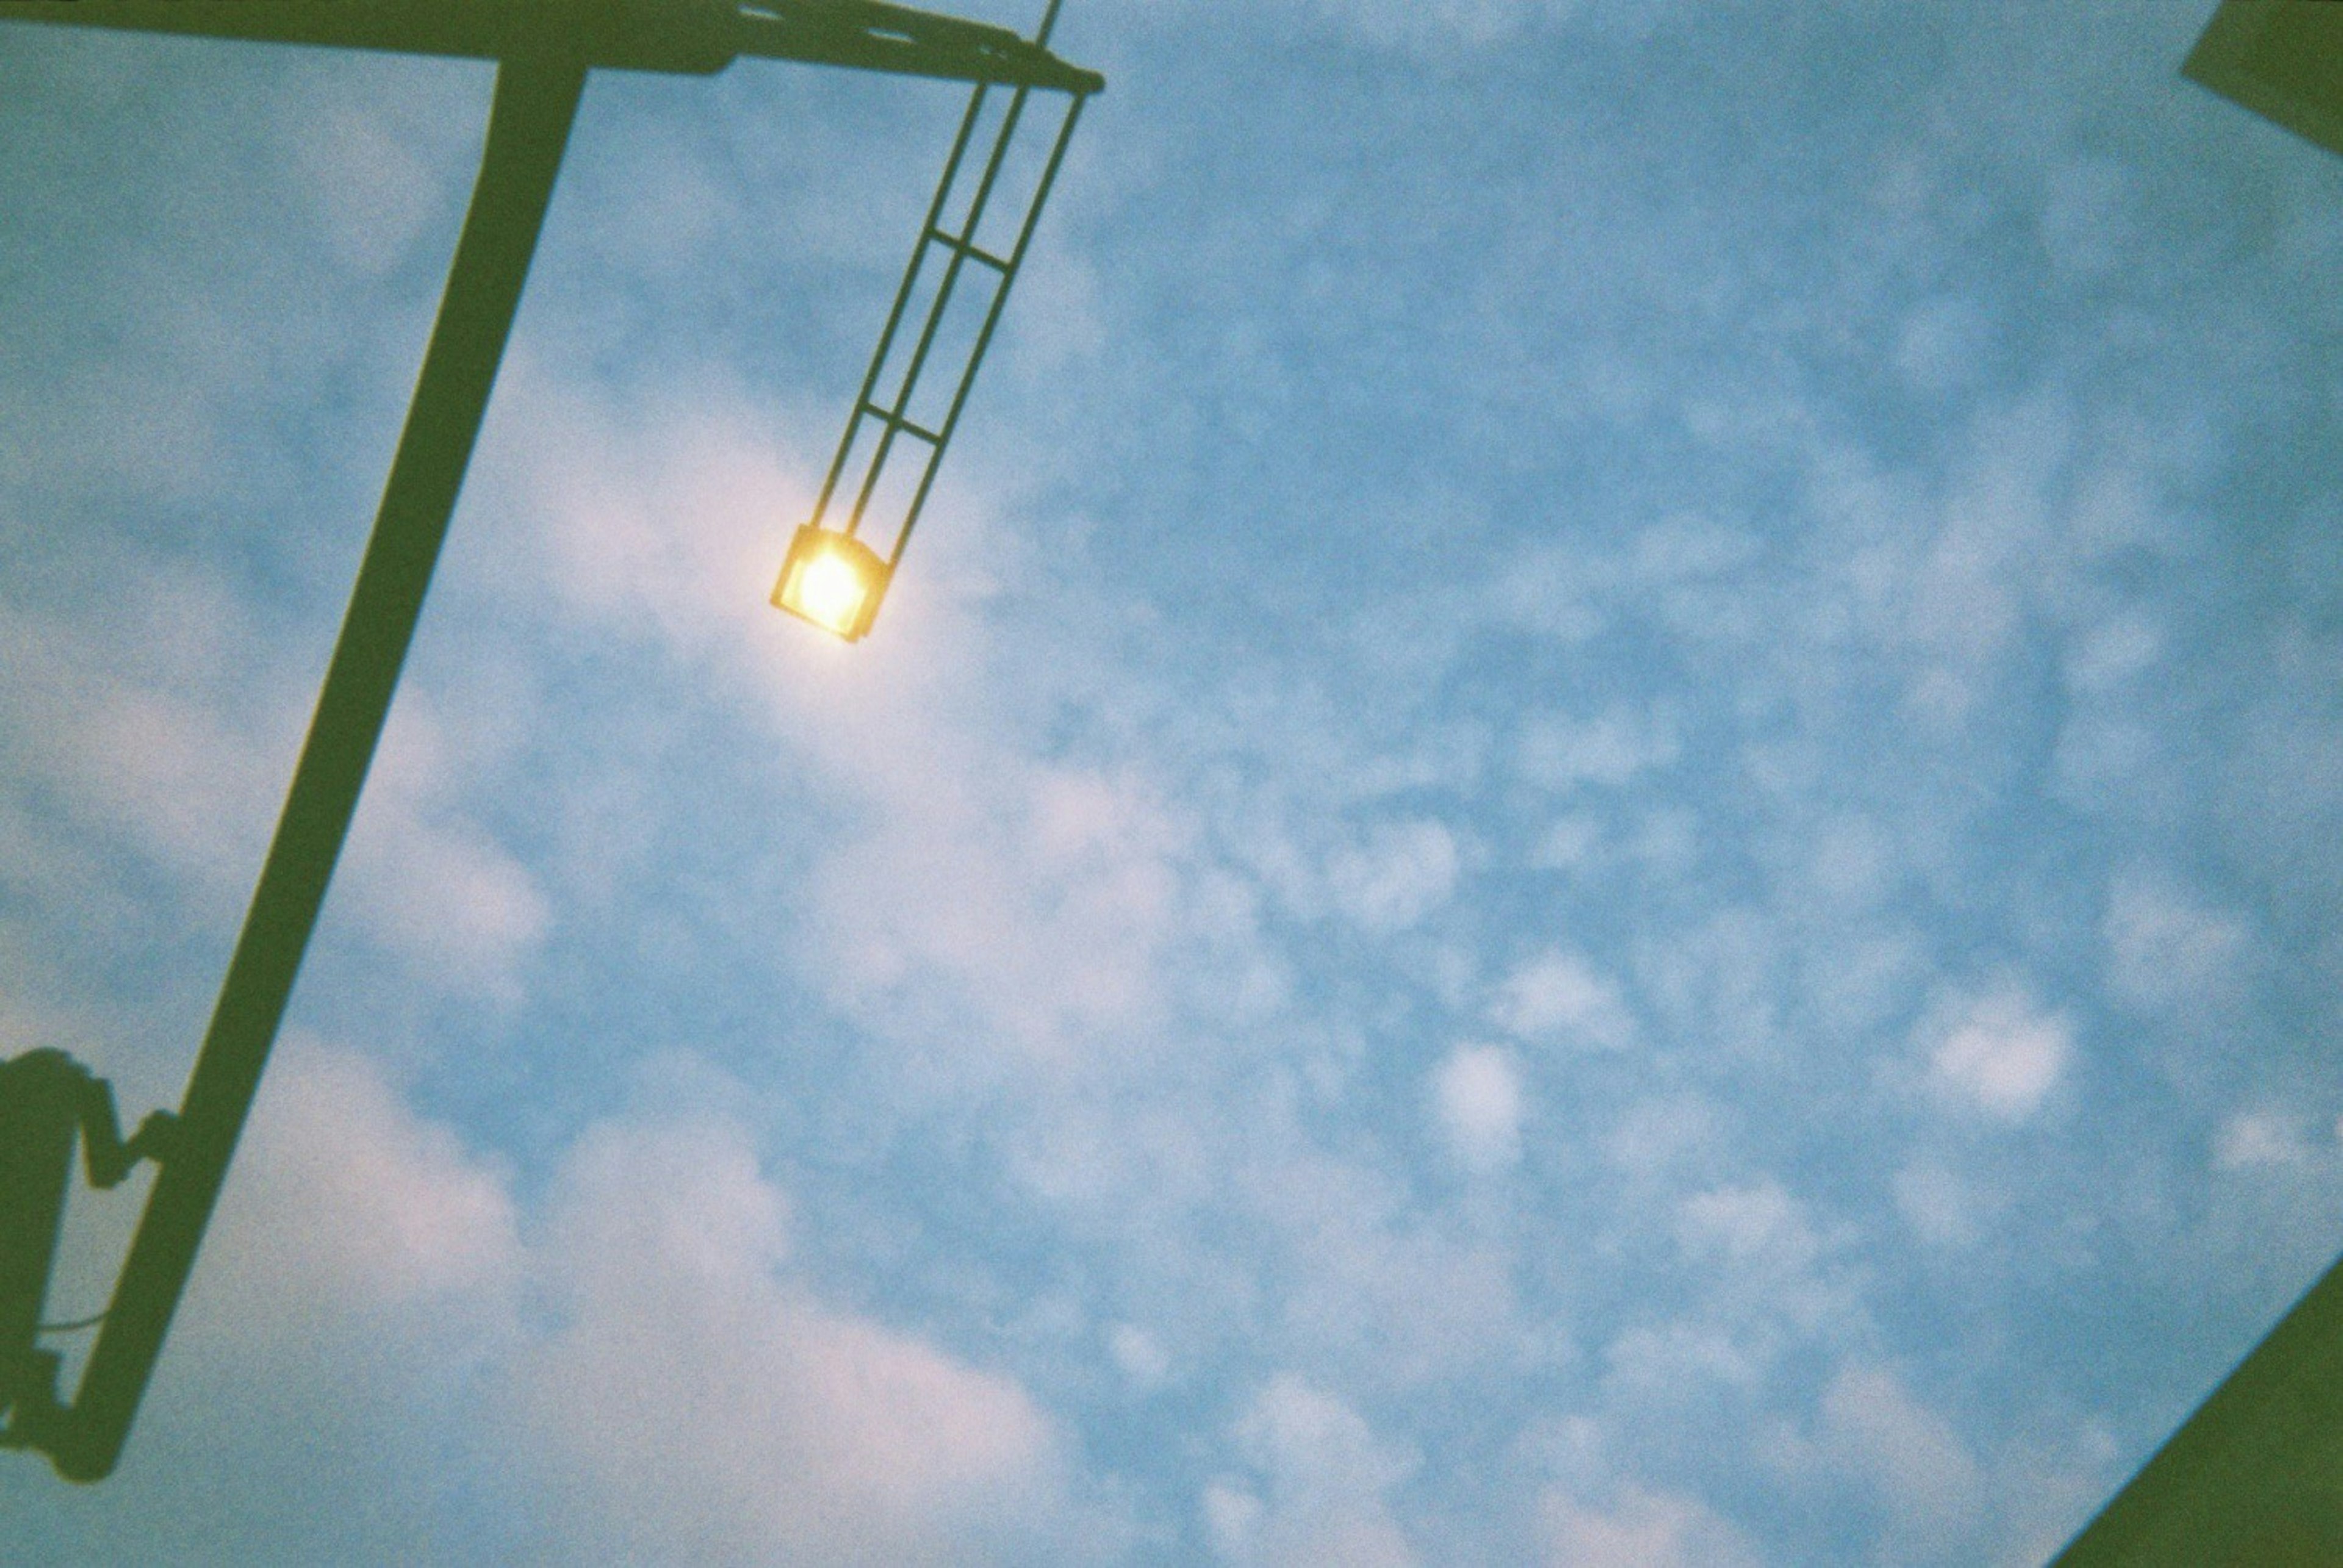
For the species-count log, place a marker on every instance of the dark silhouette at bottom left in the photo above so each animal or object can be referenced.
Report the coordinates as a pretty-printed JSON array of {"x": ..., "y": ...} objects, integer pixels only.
[{"x": 47, "y": 1101}]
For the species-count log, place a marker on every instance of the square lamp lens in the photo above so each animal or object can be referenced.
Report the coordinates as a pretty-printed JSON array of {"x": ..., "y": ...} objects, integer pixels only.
[{"x": 831, "y": 579}]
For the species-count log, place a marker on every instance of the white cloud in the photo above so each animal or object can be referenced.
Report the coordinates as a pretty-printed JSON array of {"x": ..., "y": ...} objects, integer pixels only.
[
  {"x": 1233, "y": 1520},
  {"x": 1677, "y": 1366},
  {"x": 1566, "y": 843},
  {"x": 1560, "y": 754},
  {"x": 963, "y": 873},
  {"x": 2000, "y": 1055},
  {"x": 426, "y": 881},
  {"x": 1678, "y": 551},
  {"x": 1744, "y": 1224},
  {"x": 599, "y": 488},
  {"x": 2167, "y": 952},
  {"x": 664, "y": 204},
  {"x": 636, "y": 1366},
  {"x": 1941, "y": 1209},
  {"x": 1657, "y": 1135},
  {"x": 1770, "y": 1270},
  {"x": 2252, "y": 1139},
  {"x": 694, "y": 1403},
  {"x": 1140, "y": 1354},
  {"x": 1639, "y": 1528},
  {"x": 1322, "y": 1475},
  {"x": 373, "y": 152},
  {"x": 1443, "y": 26},
  {"x": 1873, "y": 1426},
  {"x": 1311, "y": 1444},
  {"x": 170, "y": 772},
  {"x": 1401, "y": 873},
  {"x": 1853, "y": 863},
  {"x": 2114, "y": 651},
  {"x": 1943, "y": 344},
  {"x": 1551, "y": 592},
  {"x": 1952, "y": 598},
  {"x": 1558, "y": 998},
  {"x": 1042, "y": 897},
  {"x": 1477, "y": 1094},
  {"x": 182, "y": 752},
  {"x": 1388, "y": 1295},
  {"x": 346, "y": 1202}
]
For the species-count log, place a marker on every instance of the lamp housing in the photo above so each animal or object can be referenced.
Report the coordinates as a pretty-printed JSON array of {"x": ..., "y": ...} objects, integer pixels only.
[{"x": 832, "y": 579}]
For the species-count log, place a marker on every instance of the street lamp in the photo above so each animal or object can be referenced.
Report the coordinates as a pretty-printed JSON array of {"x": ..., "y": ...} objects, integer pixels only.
[
  {"x": 831, "y": 576},
  {"x": 543, "y": 50}
]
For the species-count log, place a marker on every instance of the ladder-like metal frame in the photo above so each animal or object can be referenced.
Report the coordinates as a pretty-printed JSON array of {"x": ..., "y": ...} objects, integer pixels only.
[{"x": 893, "y": 418}]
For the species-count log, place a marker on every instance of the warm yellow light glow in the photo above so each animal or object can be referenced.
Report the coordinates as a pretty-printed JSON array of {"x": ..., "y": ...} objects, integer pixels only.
[
  {"x": 833, "y": 581},
  {"x": 831, "y": 591}
]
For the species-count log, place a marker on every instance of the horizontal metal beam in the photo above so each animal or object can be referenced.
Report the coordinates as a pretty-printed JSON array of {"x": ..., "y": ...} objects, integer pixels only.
[
  {"x": 871, "y": 37},
  {"x": 692, "y": 36},
  {"x": 696, "y": 36}
]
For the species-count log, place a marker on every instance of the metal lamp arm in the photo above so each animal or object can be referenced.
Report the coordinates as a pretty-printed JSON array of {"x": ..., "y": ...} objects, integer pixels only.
[
  {"x": 876, "y": 36},
  {"x": 695, "y": 36}
]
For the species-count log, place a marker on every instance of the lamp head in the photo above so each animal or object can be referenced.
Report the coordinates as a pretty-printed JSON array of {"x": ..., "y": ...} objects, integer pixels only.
[{"x": 832, "y": 579}]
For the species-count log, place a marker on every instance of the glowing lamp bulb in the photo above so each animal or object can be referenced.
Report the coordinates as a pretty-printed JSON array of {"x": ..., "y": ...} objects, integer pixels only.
[
  {"x": 833, "y": 581},
  {"x": 828, "y": 591}
]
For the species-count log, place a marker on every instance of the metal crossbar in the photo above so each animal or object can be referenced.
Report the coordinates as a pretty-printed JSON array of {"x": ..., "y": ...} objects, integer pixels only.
[{"x": 968, "y": 250}]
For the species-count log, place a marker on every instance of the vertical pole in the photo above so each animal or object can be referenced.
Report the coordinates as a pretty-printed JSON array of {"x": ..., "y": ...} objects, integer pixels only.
[{"x": 528, "y": 127}]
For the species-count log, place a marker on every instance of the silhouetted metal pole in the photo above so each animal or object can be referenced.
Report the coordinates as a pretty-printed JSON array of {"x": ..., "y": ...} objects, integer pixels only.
[
  {"x": 2250, "y": 1477},
  {"x": 528, "y": 127}
]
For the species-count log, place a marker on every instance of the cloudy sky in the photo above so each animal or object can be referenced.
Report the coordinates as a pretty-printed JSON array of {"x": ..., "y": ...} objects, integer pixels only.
[{"x": 1600, "y": 823}]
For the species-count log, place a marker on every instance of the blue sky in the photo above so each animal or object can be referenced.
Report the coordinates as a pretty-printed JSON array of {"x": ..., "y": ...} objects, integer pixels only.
[{"x": 1598, "y": 826}]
